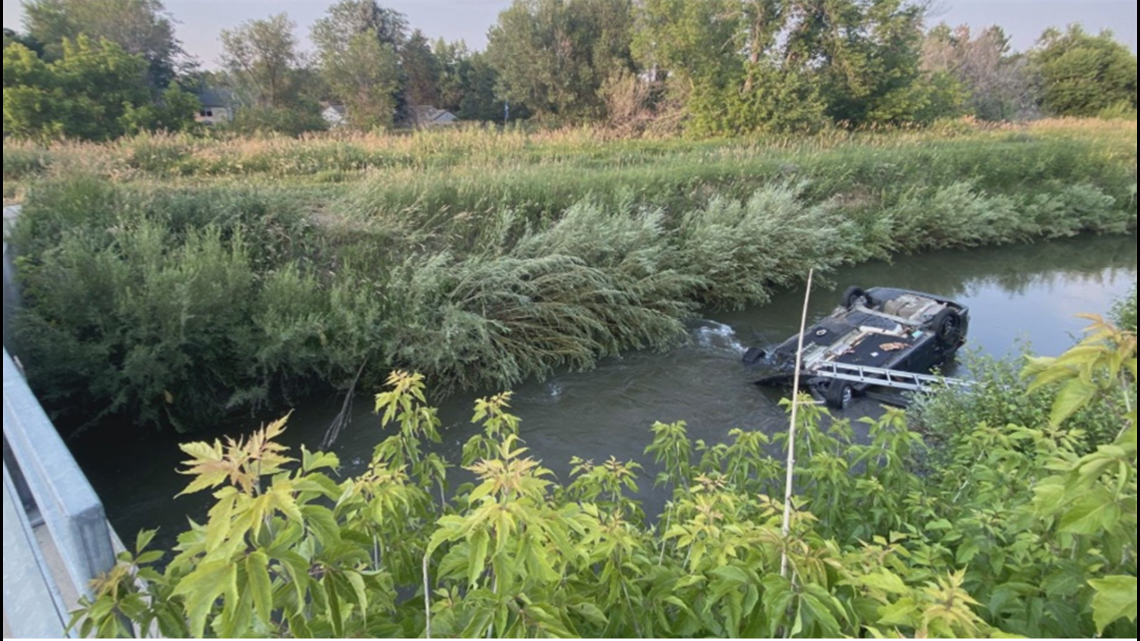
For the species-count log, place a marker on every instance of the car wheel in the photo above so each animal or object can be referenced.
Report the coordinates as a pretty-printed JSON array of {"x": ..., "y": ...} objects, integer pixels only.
[
  {"x": 755, "y": 356},
  {"x": 949, "y": 328},
  {"x": 840, "y": 395},
  {"x": 853, "y": 295}
]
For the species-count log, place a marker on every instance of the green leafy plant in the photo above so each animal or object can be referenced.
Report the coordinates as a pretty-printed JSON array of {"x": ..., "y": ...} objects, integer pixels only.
[{"x": 1021, "y": 530}]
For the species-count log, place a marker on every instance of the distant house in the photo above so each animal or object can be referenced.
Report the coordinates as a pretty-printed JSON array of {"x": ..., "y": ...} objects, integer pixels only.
[
  {"x": 334, "y": 115},
  {"x": 425, "y": 117},
  {"x": 217, "y": 106}
]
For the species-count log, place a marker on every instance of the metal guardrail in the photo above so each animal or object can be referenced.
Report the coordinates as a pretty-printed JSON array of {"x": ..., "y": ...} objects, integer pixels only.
[{"x": 82, "y": 542}]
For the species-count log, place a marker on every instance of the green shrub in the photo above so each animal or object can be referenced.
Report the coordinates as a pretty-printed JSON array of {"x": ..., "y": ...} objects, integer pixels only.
[
  {"x": 1124, "y": 313},
  {"x": 22, "y": 162},
  {"x": 288, "y": 122},
  {"x": 158, "y": 157},
  {"x": 742, "y": 250},
  {"x": 999, "y": 396},
  {"x": 78, "y": 205},
  {"x": 162, "y": 334}
]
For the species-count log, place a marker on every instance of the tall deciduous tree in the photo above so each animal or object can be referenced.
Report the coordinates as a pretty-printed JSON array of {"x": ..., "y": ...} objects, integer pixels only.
[
  {"x": 996, "y": 81},
  {"x": 140, "y": 27},
  {"x": 347, "y": 18},
  {"x": 467, "y": 84},
  {"x": 454, "y": 61},
  {"x": 554, "y": 55},
  {"x": 746, "y": 65},
  {"x": 1083, "y": 74},
  {"x": 724, "y": 60},
  {"x": 365, "y": 76},
  {"x": 94, "y": 91},
  {"x": 357, "y": 44},
  {"x": 480, "y": 100},
  {"x": 261, "y": 58},
  {"x": 866, "y": 57},
  {"x": 422, "y": 70}
]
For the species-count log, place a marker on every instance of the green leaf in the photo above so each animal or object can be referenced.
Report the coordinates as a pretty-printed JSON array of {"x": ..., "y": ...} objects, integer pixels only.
[
  {"x": 886, "y": 581},
  {"x": 478, "y": 556},
  {"x": 260, "y": 585},
  {"x": 144, "y": 539},
  {"x": 221, "y": 519},
  {"x": 941, "y": 524},
  {"x": 1115, "y": 599},
  {"x": 1073, "y": 397},
  {"x": 902, "y": 614},
  {"x": 201, "y": 588},
  {"x": 170, "y": 625},
  {"x": 591, "y": 613},
  {"x": 298, "y": 570},
  {"x": 1047, "y": 375},
  {"x": 320, "y": 485},
  {"x": 336, "y": 616},
  {"x": 147, "y": 558},
  {"x": 480, "y": 492},
  {"x": 299, "y": 629},
  {"x": 322, "y": 522},
  {"x": 817, "y": 606},
  {"x": 361, "y": 591},
  {"x": 731, "y": 574},
  {"x": 688, "y": 581},
  {"x": 311, "y": 462},
  {"x": 1094, "y": 512}
]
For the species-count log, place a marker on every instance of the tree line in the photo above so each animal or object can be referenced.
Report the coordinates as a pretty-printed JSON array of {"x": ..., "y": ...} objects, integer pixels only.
[{"x": 99, "y": 69}]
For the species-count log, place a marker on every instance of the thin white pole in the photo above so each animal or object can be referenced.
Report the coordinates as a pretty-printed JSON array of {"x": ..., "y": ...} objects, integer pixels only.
[
  {"x": 427, "y": 597},
  {"x": 789, "y": 483}
]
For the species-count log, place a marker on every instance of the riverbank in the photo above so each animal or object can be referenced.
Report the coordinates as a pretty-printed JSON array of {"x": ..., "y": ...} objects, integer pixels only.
[{"x": 181, "y": 301}]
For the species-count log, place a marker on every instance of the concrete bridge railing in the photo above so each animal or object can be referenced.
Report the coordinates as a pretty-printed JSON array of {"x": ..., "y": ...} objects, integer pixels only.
[
  {"x": 46, "y": 567},
  {"x": 56, "y": 535}
]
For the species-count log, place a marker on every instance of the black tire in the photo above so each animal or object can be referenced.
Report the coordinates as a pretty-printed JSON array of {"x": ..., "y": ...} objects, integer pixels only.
[
  {"x": 840, "y": 395},
  {"x": 755, "y": 355},
  {"x": 852, "y": 296},
  {"x": 949, "y": 328}
]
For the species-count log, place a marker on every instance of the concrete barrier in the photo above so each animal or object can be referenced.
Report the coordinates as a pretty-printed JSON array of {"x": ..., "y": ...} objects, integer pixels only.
[
  {"x": 81, "y": 540},
  {"x": 32, "y": 599}
]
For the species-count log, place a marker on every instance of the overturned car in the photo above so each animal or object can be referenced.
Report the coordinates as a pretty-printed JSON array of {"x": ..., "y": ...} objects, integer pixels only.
[{"x": 880, "y": 338}]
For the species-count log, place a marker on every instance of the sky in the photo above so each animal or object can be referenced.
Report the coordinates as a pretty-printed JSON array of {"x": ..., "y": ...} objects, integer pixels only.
[{"x": 200, "y": 21}]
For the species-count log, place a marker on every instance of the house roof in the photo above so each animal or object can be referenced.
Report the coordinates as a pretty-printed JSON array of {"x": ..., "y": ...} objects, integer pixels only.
[
  {"x": 426, "y": 115},
  {"x": 215, "y": 97}
]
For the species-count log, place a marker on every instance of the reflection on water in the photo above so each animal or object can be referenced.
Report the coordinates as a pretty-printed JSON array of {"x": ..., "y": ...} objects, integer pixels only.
[{"x": 1016, "y": 294}]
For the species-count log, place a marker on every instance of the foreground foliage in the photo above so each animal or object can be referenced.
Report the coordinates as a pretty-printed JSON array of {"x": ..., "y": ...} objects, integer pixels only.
[{"x": 1027, "y": 530}]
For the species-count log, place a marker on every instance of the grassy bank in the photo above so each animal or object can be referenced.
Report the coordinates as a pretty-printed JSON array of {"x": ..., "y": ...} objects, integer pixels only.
[{"x": 480, "y": 258}]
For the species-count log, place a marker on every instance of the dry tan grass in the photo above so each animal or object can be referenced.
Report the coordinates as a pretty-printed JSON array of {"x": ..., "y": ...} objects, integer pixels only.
[{"x": 341, "y": 156}]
